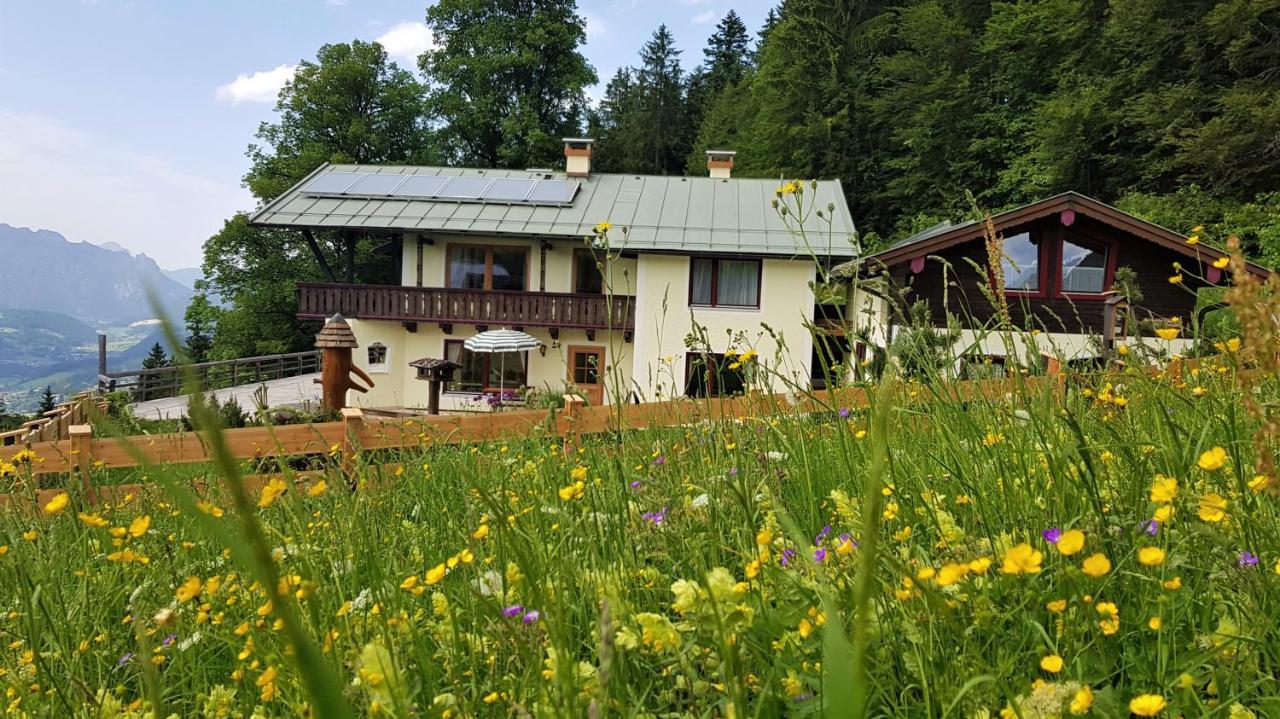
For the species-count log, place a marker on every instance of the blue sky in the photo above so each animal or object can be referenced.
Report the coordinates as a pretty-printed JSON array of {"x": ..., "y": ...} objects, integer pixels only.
[{"x": 127, "y": 121}]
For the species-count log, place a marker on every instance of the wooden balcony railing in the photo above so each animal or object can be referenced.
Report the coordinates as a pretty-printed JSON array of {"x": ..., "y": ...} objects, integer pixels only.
[{"x": 477, "y": 307}]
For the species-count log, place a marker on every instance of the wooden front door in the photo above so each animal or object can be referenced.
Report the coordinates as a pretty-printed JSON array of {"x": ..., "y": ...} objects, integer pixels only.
[{"x": 586, "y": 372}]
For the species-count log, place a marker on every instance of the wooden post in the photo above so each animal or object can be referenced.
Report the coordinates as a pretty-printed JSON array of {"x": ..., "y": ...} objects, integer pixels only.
[
  {"x": 352, "y": 423},
  {"x": 571, "y": 414},
  {"x": 433, "y": 396},
  {"x": 102, "y": 353},
  {"x": 81, "y": 436}
]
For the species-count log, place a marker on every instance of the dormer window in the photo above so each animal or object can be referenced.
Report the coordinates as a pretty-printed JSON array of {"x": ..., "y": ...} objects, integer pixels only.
[{"x": 1071, "y": 265}]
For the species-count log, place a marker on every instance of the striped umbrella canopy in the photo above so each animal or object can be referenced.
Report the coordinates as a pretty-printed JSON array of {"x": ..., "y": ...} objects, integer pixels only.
[{"x": 502, "y": 341}]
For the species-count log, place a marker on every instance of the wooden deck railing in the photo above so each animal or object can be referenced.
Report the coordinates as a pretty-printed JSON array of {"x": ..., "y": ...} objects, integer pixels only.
[
  {"x": 479, "y": 307},
  {"x": 53, "y": 425},
  {"x": 147, "y": 384}
]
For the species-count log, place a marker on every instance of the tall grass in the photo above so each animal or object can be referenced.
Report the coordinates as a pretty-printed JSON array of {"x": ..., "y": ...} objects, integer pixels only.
[{"x": 669, "y": 583}]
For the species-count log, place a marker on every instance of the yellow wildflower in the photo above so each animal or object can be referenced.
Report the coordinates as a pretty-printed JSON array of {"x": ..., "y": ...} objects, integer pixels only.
[
  {"x": 189, "y": 590},
  {"x": 1051, "y": 663},
  {"x": 1082, "y": 701},
  {"x": 271, "y": 491},
  {"x": 1096, "y": 565},
  {"x": 1071, "y": 542},
  {"x": 435, "y": 574},
  {"x": 93, "y": 520},
  {"x": 1213, "y": 507},
  {"x": 1151, "y": 556},
  {"x": 57, "y": 504},
  {"x": 1168, "y": 334},
  {"x": 1022, "y": 559},
  {"x": 1147, "y": 705},
  {"x": 1212, "y": 460},
  {"x": 318, "y": 488},
  {"x": 1164, "y": 489},
  {"x": 139, "y": 526}
]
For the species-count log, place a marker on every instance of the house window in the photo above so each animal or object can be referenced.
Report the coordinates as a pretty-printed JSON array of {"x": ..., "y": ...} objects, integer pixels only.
[
  {"x": 486, "y": 371},
  {"x": 715, "y": 282},
  {"x": 477, "y": 267},
  {"x": 1084, "y": 269},
  {"x": 1021, "y": 263},
  {"x": 708, "y": 374},
  {"x": 827, "y": 360},
  {"x": 377, "y": 356},
  {"x": 586, "y": 272}
]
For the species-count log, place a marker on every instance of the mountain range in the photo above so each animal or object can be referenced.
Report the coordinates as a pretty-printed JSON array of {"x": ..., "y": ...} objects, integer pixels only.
[
  {"x": 46, "y": 271},
  {"x": 57, "y": 295}
]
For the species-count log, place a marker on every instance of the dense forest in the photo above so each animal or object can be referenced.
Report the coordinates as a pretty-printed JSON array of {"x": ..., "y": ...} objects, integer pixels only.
[{"x": 1170, "y": 110}]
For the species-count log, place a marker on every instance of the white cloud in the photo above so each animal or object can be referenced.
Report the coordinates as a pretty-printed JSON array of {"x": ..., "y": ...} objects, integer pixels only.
[
  {"x": 406, "y": 41},
  {"x": 261, "y": 86},
  {"x": 143, "y": 202},
  {"x": 706, "y": 16}
]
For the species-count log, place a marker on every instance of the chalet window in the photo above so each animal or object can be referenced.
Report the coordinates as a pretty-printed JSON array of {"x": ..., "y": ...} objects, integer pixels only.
[
  {"x": 708, "y": 374},
  {"x": 476, "y": 267},
  {"x": 715, "y": 282},
  {"x": 586, "y": 272},
  {"x": 1084, "y": 269},
  {"x": 486, "y": 371},
  {"x": 377, "y": 356},
  {"x": 1021, "y": 263}
]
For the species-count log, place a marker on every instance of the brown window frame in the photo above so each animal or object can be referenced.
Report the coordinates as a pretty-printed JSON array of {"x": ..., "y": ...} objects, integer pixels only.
[
  {"x": 715, "y": 278},
  {"x": 580, "y": 255},
  {"x": 487, "y": 356},
  {"x": 488, "y": 264},
  {"x": 714, "y": 368}
]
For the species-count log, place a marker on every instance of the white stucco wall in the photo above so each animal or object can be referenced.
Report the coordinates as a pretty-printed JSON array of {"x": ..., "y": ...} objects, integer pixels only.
[
  {"x": 664, "y": 320},
  {"x": 399, "y": 387}
]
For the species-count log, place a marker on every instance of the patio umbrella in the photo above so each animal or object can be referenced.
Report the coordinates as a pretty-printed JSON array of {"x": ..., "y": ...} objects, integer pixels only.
[{"x": 502, "y": 341}]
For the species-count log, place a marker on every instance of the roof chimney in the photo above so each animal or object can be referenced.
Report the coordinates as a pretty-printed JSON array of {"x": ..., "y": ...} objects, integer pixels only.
[
  {"x": 577, "y": 156},
  {"x": 720, "y": 163}
]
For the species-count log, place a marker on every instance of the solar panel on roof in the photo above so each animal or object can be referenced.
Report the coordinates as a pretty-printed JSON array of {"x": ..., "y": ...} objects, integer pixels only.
[
  {"x": 506, "y": 190},
  {"x": 553, "y": 191},
  {"x": 420, "y": 186},
  {"x": 333, "y": 183},
  {"x": 376, "y": 184},
  {"x": 464, "y": 188}
]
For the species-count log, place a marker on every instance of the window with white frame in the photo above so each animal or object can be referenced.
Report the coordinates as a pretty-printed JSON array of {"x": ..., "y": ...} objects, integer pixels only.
[{"x": 377, "y": 357}]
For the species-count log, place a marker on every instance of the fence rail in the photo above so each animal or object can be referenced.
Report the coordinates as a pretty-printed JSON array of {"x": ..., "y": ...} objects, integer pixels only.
[
  {"x": 484, "y": 307},
  {"x": 79, "y": 451},
  {"x": 160, "y": 382},
  {"x": 53, "y": 425}
]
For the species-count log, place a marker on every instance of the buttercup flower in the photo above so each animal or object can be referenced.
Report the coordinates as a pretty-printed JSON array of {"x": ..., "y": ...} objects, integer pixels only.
[
  {"x": 1022, "y": 559},
  {"x": 1071, "y": 542},
  {"x": 1213, "y": 507},
  {"x": 1147, "y": 705},
  {"x": 1212, "y": 460},
  {"x": 1096, "y": 565}
]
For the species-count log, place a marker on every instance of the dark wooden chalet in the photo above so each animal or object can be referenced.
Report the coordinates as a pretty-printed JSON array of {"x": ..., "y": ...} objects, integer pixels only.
[{"x": 1061, "y": 257}]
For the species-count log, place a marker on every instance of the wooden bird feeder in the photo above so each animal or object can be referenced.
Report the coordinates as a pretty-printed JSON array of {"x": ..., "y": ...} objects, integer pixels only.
[
  {"x": 337, "y": 340},
  {"x": 436, "y": 372}
]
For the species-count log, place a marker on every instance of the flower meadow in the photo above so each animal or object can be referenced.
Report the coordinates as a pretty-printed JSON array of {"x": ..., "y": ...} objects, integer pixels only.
[{"x": 1103, "y": 548}]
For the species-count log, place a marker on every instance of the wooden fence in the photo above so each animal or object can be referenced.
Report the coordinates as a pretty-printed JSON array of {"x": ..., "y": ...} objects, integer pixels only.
[
  {"x": 79, "y": 452},
  {"x": 147, "y": 384},
  {"x": 53, "y": 425}
]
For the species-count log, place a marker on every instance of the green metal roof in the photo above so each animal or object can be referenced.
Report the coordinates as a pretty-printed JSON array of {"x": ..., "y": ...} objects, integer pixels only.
[{"x": 661, "y": 213}]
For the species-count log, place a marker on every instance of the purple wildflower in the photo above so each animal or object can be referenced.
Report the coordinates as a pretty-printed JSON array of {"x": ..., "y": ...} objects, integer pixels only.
[
  {"x": 733, "y": 471},
  {"x": 660, "y": 460},
  {"x": 802, "y": 697},
  {"x": 655, "y": 517},
  {"x": 820, "y": 555},
  {"x": 1052, "y": 535},
  {"x": 844, "y": 537},
  {"x": 1151, "y": 527},
  {"x": 787, "y": 555},
  {"x": 169, "y": 639},
  {"x": 826, "y": 531},
  {"x": 844, "y": 413},
  {"x": 513, "y": 611},
  {"x": 1248, "y": 559},
  {"x": 531, "y": 616},
  {"x": 125, "y": 659}
]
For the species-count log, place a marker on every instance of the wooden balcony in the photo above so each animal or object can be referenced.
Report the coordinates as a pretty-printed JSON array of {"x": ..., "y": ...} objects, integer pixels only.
[{"x": 492, "y": 308}]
